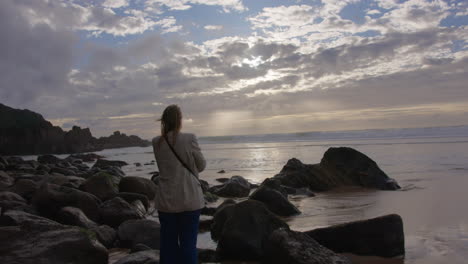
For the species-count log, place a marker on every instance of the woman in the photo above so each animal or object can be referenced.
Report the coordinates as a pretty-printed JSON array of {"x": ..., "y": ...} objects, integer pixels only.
[{"x": 179, "y": 198}]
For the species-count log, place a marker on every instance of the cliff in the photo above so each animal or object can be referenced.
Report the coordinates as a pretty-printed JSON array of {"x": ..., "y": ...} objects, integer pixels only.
[{"x": 23, "y": 132}]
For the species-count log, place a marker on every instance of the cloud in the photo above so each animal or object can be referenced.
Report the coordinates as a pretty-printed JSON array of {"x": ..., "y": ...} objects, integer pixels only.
[
  {"x": 227, "y": 5},
  {"x": 115, "y": 3},
  {"x": 213, "y": 27}
]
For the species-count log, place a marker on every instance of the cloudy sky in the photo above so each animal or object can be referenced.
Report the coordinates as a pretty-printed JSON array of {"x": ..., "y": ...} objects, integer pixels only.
[{"x": 236, "y": 66}]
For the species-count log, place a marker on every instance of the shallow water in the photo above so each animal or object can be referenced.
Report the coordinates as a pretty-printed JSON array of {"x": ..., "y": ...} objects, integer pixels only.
[{"x": 432, "y": 171}]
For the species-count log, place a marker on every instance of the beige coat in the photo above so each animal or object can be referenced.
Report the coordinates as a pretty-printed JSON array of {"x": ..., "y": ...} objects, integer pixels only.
[{"x": 178, "y": 190}]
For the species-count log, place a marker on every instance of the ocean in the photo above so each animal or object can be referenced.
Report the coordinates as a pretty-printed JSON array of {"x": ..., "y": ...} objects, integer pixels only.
[{"x": 431, "y": 165}]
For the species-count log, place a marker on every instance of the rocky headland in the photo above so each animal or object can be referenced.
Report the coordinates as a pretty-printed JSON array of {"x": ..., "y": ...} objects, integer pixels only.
[
  {"x": 23, "y": 132},
  {"x": 84, "y": 209}
]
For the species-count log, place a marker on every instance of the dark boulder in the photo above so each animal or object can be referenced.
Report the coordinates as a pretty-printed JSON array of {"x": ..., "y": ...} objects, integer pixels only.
[
  {"x": 11, "y": 200},
  {"x": 102, "y": 185},
  {"x": 208, "y": 256},
  {"x": 204, "y": 185},
  {"x": 222, "y": 214},
  {"x": 296, "y": 174},
  {"x": 210, "y": 198},
  {"x": 382, "y": 236},
  {"x": 30, "y": 239},
  {"x": 26, "y": 188},
  {"x": 245, "y": 230},
  {"x": 5, "y": 180},
  {"x": 339, "y": 167},
  {"x": 236, "y": 186},
  {"x": 48, "y": 159},
  {"x": 286, "y": 246},
  {"x": 74, "y": 216},
  {"x": 115, "y": 211},
  {"x": 106, "y": 235},
  {"x": 103, "y": 163},
  {"x": 63, "y": 171},
  {"x": 131, "y": 197},
  {"x": 86, "y": 157},
  {"x": 352, "y": 167},
  {"x": 50, "y": 198},
  {"x": 135, "y": 232},
  {"x": 141, "y": 257},
  {"x": 275, "y": 201},
  {"x": 139, "y": 247},
  {"x": 138, "y": 185}
]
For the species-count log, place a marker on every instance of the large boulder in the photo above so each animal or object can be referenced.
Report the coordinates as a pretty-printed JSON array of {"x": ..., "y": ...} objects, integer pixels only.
[
  {"x": 141, "y": 257},
  {"x": 11, "y": 200},
  {"x": 74, "y": 216},
  {"x": 102, "y": 185},
  {"x": 103, "y": 163},
  {"x": 143, "y": 231},
  {"x": 275, "y": 201},
  {"x": 85, "y": 157},
  {"x": 24, "y": 187},
  {"x": 286, "y": 246},
  {"x": 48, "y": 159},
  {"x": 382, "y": 236},
  {"x": 236, "y": 186},
  {"x": 116, "y": 211},
  {"x": 5, "y": 180},
  {"x": 354, "y": 168},
  {"x": 106, "y": 235},
  {"x": 30, "y": 239},
  {"x": 246, "y": 229},
  {"x": 138, "y": 185},
  {"x": 50, "y": 198},
  {"x": 339, "y": 167},
  {"x": 131, "y": 197}
]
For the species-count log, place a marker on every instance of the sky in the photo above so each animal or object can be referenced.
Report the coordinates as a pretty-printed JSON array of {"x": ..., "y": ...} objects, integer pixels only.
[{"x": 236, "y": 66}]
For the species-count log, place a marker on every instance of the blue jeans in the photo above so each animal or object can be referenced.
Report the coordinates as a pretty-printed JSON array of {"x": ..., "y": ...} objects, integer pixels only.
[{"x": 179, "y": 237}]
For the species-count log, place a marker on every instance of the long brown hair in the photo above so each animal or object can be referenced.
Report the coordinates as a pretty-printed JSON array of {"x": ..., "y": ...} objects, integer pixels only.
[{"x": 171, "y": 120}]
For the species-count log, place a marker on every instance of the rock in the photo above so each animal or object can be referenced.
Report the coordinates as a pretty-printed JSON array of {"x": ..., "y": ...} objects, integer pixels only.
[
  {"x": 204, "y": 185},
  {"x": 102, "y": 185},
  {"x": 24, "y": 187},
  {"x": 5, "y": 180},
  {"x": 87, "y": 157},
  {"x": 210, "y": 198},
  {"x": 32, "y": 239},
  {"x": 246, "y": 227},
  {"x": 48, "y": 159},
  {"x": 25, "y": 167},
  {"x": 222, "y": 171},
  {"x": 103, "y": 163},
  {"x": 14, "y": 160},
  {"x": 286, "y": 246},
  {"x": 50, "y": 198},
  {"x": 106, "y": 235},
  {"x": 382, "y": 236},
  {"x": 338, "y": 167},
  {"x": 237, "y": 186},
  {"x": 208, "y": 255},
  {"x": 138, "y": 185},
  {"x": 116, "y": 211},
  {"x": 208, "y": 211},
  {"x": 11, "y": 200},
  {"x": 205, "y": 223},
  {"x": 3, "y": 161},
  {"x": 64, "y": 171},
  {"x": 295, "y": 174},
  {"x": 74, "y": 182},
  {"x": 139, "y": 247},
  {"x": 131, "y": 197},
  {"x": 137, "y": 164},
  {"x": 74, "y": 216},
  {"x": 141, "y": 257},
  {"x": 120, "y": 140},
  {"x": 354, "y": 168},
  {"x": 222, "y": 180},
  {"x": 135, "y": 232},
  {"x": 275, "y": 201}
]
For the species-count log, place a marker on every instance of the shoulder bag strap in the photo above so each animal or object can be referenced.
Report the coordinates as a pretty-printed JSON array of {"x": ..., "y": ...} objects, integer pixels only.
[{"x": 180, "y": 160}]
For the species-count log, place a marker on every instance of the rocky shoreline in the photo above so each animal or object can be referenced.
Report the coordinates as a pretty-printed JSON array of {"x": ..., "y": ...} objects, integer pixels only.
[
  {"x": 23, "y": 132},
  {"x": 84, "y": 209}
]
